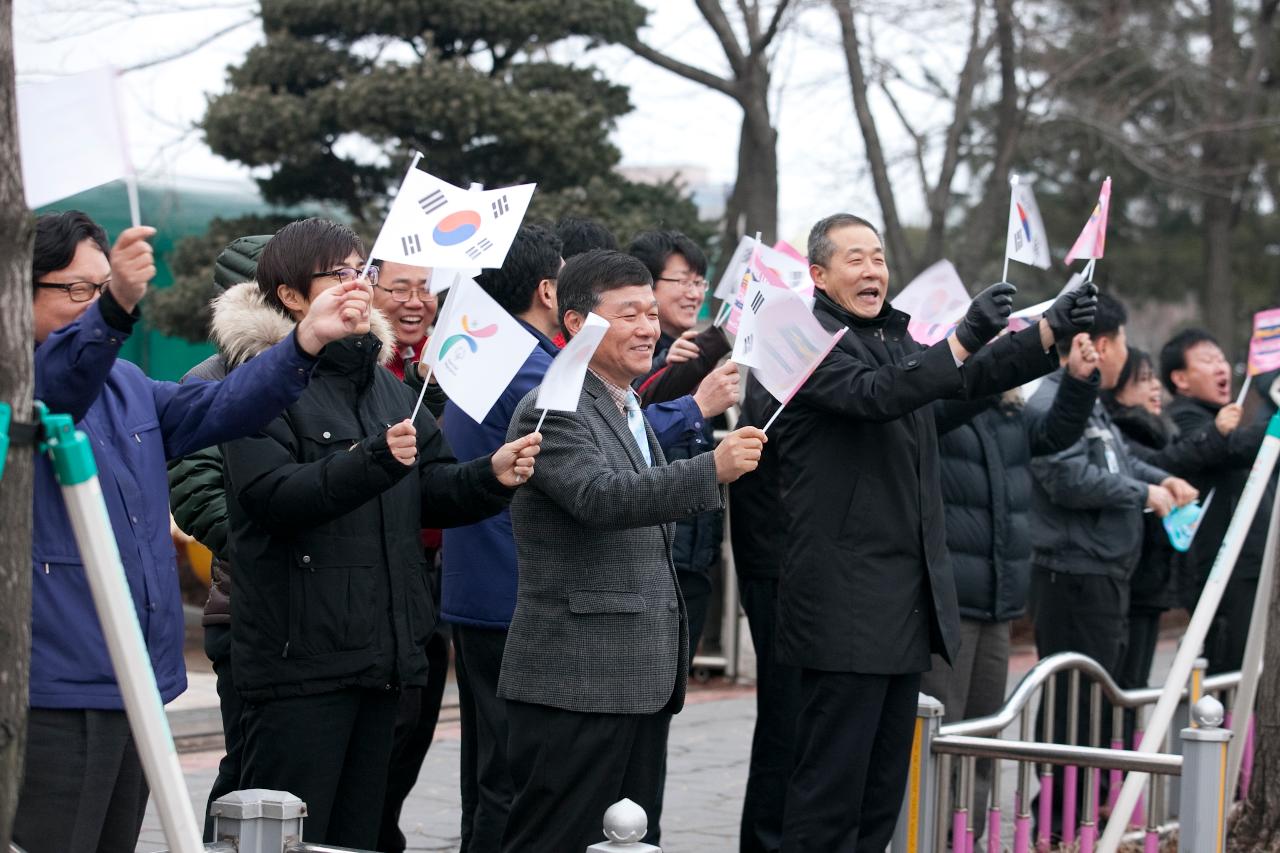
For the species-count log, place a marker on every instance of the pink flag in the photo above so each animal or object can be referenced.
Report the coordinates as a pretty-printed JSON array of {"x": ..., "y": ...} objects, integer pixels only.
[
  {"x": 792, "y": 343},
  {"x": 1264, "y": 346},
  {"x": 787, "y": 249},
  {"x": 1093, "y": 238}
]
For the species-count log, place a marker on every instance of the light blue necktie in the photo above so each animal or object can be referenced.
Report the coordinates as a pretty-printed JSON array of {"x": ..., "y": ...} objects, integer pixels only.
[{"x": 635, "y": 420}]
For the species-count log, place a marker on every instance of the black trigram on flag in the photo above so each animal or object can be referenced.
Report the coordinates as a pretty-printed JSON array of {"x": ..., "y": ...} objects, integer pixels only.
[
  {"x": 756, "y": 302},
  {"x": 500, "y": 207},
  {"x": 747, "y": 343},
  {"x": 410, "y": 244},
  {"x": 479, "y": 249},
  {"x": 433, "y": 201}
]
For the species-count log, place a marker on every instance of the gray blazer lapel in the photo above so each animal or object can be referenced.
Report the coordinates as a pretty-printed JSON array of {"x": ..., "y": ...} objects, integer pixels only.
[{"x": 616, "y": 420}]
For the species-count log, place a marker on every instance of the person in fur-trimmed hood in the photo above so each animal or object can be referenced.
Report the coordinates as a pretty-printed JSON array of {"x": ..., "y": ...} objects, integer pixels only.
[{"x": 324, "y": 507}]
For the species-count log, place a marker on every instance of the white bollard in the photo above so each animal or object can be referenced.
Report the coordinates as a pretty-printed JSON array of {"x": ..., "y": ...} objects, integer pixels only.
[
  {"x": 1202, "y": 813},
  {"x": 625, "y": 824},
  {"x": 258, "y": 820}
]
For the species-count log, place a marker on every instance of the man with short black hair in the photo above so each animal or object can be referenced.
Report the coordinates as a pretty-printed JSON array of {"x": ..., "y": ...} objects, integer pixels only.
[
  {"x": 1195, "y": 371},
  {"x": 83, "y": 788},
  {"x": 579, "y": 235},
  {"x": 866, "y": 592},
  {"x": 596, "y": 657}
]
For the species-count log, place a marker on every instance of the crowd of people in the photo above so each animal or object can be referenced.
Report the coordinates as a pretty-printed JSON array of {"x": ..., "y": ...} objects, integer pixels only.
[{"x": 906, "y": 506}]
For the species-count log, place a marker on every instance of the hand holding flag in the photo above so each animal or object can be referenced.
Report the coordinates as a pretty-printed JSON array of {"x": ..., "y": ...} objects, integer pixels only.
[{"x": 513, "y": 461}]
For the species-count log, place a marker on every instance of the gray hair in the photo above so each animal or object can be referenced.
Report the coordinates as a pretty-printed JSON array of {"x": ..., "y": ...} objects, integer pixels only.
[{"x": 820, "y": 246}]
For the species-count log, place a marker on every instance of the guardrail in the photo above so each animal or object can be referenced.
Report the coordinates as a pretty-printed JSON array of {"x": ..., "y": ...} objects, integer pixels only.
[{"x": 1188, "y": 778}]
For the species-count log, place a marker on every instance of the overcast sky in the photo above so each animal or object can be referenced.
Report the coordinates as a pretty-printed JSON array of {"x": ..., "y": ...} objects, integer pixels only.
[{"x": 674, "y": 121}]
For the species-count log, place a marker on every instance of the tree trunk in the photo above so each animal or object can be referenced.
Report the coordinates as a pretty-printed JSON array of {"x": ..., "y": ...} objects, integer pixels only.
[
  {"x": 16, "y": 383},
  {"x": 1218, "y": 298},
  {"x": 753, "y": 204},
  {"x": 1258, "y": 826},
  {"x": 895, "y": 243}
]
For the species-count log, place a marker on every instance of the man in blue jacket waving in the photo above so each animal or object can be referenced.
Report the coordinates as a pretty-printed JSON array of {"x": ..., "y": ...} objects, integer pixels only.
[{"x": 83, "y": 786}]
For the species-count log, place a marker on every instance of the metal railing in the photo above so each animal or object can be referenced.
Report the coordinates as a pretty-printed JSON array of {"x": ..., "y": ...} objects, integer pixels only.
[{"x": 1185, "y": 780}]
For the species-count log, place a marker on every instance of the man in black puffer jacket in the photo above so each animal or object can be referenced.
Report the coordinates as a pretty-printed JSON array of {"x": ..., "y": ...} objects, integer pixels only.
[
  {"x": 986, "y": 495},
  {"x": 332, "y": 609}
]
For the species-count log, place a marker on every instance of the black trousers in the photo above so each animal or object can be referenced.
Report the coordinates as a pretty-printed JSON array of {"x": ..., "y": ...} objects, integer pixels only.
[
  {"x": 83, "y": 790},
  {"x": 695, "y": 588},
  {"x": 568, "y": 768},
  {"x": 1088, "y": 614},
  {"x": 415, "y": 727},
  {"x": 777, "y": 707},
  {"x": 217, "y": 647},
  {"x": 485, "y": 776},
  {"x": 332, "y": 750},
  {"x": 1224, "y": 646},
  {"x": 852, "y": 755}
]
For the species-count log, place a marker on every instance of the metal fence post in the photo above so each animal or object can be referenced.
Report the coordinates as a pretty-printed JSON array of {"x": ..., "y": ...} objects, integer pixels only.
[
  {"x": 258, "y": 820},
  {"x": 1182, "y": 718},
  {"x": 915, "y": 832},
  {"x": 625, "y": 824},
  {"x": 1203, "y": 796}
]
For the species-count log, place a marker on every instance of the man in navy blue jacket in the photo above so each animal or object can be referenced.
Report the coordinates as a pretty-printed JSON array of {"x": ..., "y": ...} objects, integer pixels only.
[
  {"x": 83, "y": 786},
  {"x": 478, "y": 584}
]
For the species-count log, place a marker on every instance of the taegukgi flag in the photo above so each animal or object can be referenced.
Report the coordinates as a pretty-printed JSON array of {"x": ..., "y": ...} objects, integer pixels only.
[
  {"x": 476, "y": 349},
  {"x": 760, "y": 270},
  {"x": 562, "y": 385},
  {"x": 936, "y": 300},
  {"x": 791, "y": 271},
  {"x": 1027, "y": 242},
  {"x": 1093, "y": 239},
  {"x": 432, "y": 223},
  {"x": 790, "y": 345}
]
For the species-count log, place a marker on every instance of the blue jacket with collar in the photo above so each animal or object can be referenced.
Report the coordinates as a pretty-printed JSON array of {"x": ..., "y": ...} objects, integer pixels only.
[
  {"x": 134, "y": 425},
  {"x": 479, "y": 575}
]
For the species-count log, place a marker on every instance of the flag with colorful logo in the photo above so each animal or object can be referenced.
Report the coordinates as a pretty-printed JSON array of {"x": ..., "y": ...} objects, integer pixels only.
[
  {"x": 936, "y": 300},
  {"x": 1093, "y": 239},
  {"x": 768, "y": 276},
  {"x": 1264, "y": 345},
  {"x": 562, "y": 385},
  {"x": 1027, "y": 241},
  {"x": 476, "y": 349},
  {"x": 432, "y": 223},
  {"x": 792, "y": 271},
  {"x": 790, "y": 344}
]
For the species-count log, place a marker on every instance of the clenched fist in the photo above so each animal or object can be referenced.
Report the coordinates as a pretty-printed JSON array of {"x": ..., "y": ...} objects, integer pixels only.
[
  {"x": 335, "y": 313},
  {"x": 683, "y": 349},
  {"x": 513, "y": 461},
  {"x": 718, "y": 391},
  {"x": 402, "y": 441},
  {"x": 739, "y": 453},
  {"x": 1228, "y": 418},
  {"x": 1083, "y": 359},
  {"x": 133, "y": 265}
]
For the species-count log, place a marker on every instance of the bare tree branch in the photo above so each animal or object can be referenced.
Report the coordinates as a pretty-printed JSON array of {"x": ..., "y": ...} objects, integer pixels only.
[
  {"x": 192, "y": 48},
  {"x": 719, "y": 22},
  {"x": 689, "y": 72},
  {"x": 771, "y": 31}
]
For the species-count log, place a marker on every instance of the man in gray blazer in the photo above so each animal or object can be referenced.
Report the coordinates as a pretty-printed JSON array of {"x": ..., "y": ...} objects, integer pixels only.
[{"x": 596, "y": 659}]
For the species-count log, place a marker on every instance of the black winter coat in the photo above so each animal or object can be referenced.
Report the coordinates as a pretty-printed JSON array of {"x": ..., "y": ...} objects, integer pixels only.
[
  {"x": 986, "y": 493},
  {"x": 1154, "y": 585},
  {"x": 1228, "y": 479},
  {"x": 755, "y": 503},
  {"x": 331, "y": 582},
  {"x": 866, "y": 585}
]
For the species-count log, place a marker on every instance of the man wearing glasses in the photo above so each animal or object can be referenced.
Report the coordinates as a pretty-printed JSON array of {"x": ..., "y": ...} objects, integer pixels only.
[
  {"x": 83, "y": 788},
  {"x": 402, "y": 294}
]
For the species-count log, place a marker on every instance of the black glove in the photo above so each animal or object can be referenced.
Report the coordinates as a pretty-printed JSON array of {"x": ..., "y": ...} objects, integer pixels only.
[
  {"x": 987, "y": 316},
  {"x": 1072, "y": 312}
]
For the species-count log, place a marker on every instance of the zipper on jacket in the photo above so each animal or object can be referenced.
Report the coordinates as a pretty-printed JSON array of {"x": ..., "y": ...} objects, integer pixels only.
[
  {"x": 46, "y": 568},
  {"x": 285, "y": 654}
]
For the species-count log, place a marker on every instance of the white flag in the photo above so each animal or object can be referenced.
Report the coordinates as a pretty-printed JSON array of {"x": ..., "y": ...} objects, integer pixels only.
[
  {"x": 792, "y": 272},
  {"x": 432, "y": 223},
  {"x": 745, "y": 343},
  {"x": 936, "y": 300},
  {"x": 792, "y": 343},
  {"x": 52, "y": 122},
  {"x": 1027, "y": 242},
  {"x": 476, "y": 349},
  {"x": 562, "y": 386}
]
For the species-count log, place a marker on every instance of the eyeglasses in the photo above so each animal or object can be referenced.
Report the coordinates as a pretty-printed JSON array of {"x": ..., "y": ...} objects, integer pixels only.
[
  {"x": 694, "y": 283},
  {"x": 79, "y": 291},
  {"x": 404, "y": 294},
  {"x": 348, "y": 274}
]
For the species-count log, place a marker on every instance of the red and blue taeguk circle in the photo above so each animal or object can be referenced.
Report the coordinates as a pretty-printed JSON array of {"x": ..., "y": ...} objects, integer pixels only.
[{"x": 456, "y": 228}]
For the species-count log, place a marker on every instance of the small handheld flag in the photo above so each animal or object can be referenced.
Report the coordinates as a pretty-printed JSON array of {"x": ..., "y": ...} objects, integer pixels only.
[
  {"x": 562, "y": 385},
  {"x": 936, "y": 300},
  {"x": 792, "y": 343},
  {"x": 1026, "y": 241},
  {"x": 1093, "y": 239},
  {"x": 476, "y": 349}
]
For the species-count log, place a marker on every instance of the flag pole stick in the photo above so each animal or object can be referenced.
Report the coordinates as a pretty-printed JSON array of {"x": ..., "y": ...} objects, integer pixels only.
[
  {"x": 1087, "y": 275},
  {"x": 421, "y": 394},
  {"x": 131, "y": 186},
  {"x": 722, "y": 314},
  {"x": 773, "y": 418},
  {"x": 1244, "y": 389},
  {"x": 538, "y": 428},
  {"x": 413, "y": 164},
  {"x": 1004, "y": 276}
]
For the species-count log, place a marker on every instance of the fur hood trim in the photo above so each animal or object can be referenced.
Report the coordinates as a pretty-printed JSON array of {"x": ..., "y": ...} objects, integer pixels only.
[{"x": 244, "y": 325}]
